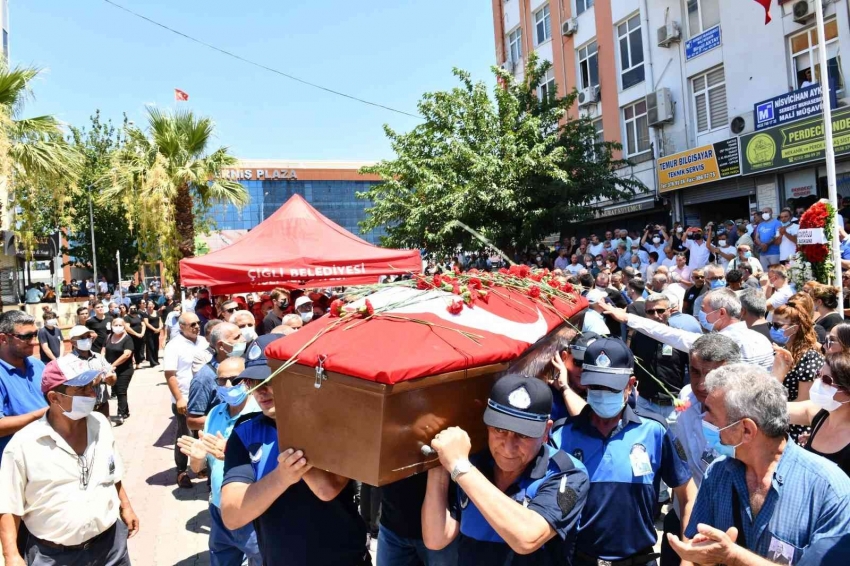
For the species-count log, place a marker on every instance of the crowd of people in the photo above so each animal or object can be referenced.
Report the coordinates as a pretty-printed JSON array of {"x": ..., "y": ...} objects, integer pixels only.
[{"x": 704, "y": 388}]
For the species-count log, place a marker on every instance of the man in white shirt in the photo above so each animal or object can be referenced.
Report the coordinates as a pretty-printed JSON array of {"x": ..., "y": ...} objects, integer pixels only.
[
  {"x": 721, "y": 312},
  {"x": 788, "y": 231},
  {"x": 595, "y": 246},
  {"x": 574, "y": 267},
  {"x": 177, "y": 364},
  {"x": 61, "y": 475},
  {"x": 102, "y": 286},
  {"x": 723, "y": 252},
  {"x": 696, "y": 245},
  {"x": 778, "y": 291},
  {"x": 745, "y": 257},
  {"x": 669, "y": 259},
  {"x": 682, "y": 272}
]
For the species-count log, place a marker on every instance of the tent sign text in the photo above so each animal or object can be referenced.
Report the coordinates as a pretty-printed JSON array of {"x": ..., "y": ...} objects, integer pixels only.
[{"x": 303, "y": 272}]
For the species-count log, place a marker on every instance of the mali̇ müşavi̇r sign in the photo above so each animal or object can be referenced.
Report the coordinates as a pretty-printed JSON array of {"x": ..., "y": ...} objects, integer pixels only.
[{"x": 792, "y": 144}]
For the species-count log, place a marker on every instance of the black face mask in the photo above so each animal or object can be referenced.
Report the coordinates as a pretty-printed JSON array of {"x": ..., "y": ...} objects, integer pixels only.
[{"x": 282, "y": 305}]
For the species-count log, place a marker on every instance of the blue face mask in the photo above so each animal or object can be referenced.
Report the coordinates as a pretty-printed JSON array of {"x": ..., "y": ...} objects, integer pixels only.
[
  {"x": 606, "y": 404},
  {"x": 703, "y": 320},
  {"x": 748, "y": 255},
  {"x": 778, "y": 336},
  {"x": 712, "y": 439},
  {"x": 717, "y": 284},
  {"x": 232, "y": 396}
]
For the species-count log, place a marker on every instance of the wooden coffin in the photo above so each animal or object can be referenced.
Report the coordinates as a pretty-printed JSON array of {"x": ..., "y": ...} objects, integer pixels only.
[{"x": 374, "y": 432}]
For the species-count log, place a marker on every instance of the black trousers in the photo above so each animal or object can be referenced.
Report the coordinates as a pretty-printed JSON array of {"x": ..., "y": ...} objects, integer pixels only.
[
  {"x": 152, "y": 347},
  {"x": 139, "y": 349},
  {"x": 122, "y": 384},
  {"x": 672, "y": 524},
  {"x": 370, "y": 506},
  {"x": 182, "y": 428}
]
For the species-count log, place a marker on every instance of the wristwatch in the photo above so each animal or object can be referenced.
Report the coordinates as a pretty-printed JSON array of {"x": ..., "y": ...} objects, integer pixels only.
[{"x": 461, "y": 467}]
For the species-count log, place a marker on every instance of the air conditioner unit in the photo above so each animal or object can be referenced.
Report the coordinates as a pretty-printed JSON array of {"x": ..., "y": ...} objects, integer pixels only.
[
  {"x": 569, "y": 27},
  {"x": 588, "y": 96},
  {"x": 803, "y": 10},
  {"x": 742, "y": 124},
  {"x": 669, "y": 34},
  {"x": 659, "y": 107}
]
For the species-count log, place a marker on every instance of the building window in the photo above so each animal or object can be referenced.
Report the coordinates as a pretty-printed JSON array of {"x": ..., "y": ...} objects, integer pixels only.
[
  {"x": 542, "y": 25},
  {"x": 515, "y": 45},
  {"x": 631, "y": 52},
  {"x": 598, "y": 138},
  {"x": 588, "y": 65},
  {"x": 702, "y": 15},
  {"x": 710, "y": 100},
  {"x": 637, "y": 128},
  {"x": 804, "y": 54},
  {"x": 547, "y": 86},
  {"x": 582, "y": 5}
]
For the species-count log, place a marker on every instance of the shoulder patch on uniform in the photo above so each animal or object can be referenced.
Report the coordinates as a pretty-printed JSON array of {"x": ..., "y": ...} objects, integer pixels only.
[
  {"x": 254, "y": 352},
  {"x": 578, "y": 454},
  {"x": 567, "y": 496},
  {"x": 680, "y": 450}
]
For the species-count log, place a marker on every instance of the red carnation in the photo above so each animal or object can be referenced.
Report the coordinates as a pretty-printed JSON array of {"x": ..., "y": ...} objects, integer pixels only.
[
  {"x": 456, "y": 269},
  {"x": 524, "y": 270},
  {"x": 455, "y": 307},
  {"x": 514, "y": 269},
  {"x": 536, "y": 276},
  {"x": 474, "y": 283},
  {"x": 473, "y": 271},
  {"x": 366, "y": 310},
  {"x": 484, "y": 296},
  {"x": 422, "y": 284},
  {"x": 504, "y": 271},
  {"x": 438, "y": 280},
  {"x": 534, "y": 292},
  {"x": 455, "y": 288},
  {"x": 567, "y": 288},
  {"x": 336, "y": 308}
]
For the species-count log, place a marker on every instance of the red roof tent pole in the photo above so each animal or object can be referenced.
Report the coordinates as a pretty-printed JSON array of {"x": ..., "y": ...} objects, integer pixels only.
[{"x": 296, "y": 247}]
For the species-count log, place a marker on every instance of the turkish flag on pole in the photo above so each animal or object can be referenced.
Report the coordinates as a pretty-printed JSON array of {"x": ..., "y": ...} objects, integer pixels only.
[
  {"x": 179, "y": 95},
  {"x": 766, "y": 4}
]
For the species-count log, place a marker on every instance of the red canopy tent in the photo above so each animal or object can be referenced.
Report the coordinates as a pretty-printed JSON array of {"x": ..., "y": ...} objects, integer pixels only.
[{"x": 295, "y": 247}]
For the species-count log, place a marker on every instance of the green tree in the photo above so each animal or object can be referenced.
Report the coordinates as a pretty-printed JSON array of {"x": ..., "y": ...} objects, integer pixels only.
[
  {"x": 112, "y": 230},
  {"x": 166, "y": 178},
  {"x": 39, "y": 167},
  {"x": 511, "y": 165}
]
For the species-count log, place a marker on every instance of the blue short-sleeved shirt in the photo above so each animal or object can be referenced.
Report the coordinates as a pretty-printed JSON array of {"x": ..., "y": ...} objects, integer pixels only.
[
  {"x": 298, "y": 529},
  {"x": 20, "y": 391},
  {"x": 809, "y": 500},
  {"x": 202, "y": 397},
  {"x": 617, "y": 520},
  {"x": 554, "y": 486},
  {"x": 845, "y": 249},
  {"x": 219, "y": 420},
  {"x": 767, "y": 231}
]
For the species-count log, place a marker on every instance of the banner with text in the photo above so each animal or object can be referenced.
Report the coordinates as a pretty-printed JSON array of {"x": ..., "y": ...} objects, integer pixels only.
[
  {"x": 792, "y": 144},
  {"x": 699, "y": 166}
]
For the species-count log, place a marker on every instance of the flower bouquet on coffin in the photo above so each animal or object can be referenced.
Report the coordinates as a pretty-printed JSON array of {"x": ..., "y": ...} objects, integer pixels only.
[{"x": 813, "y": 261}]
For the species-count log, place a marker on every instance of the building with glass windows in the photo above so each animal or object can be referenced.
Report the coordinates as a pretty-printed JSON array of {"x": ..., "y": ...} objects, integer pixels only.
[{"x": 331, "y": 187}]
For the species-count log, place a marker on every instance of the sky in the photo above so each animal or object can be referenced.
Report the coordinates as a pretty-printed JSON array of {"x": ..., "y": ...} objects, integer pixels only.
[{"x": 96, "y": 56}]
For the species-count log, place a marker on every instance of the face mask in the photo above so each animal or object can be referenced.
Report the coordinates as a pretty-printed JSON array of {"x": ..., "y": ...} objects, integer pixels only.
[
  {"x": 114, "y": 311},
  {"x": 823, "y": 396},
  {"x": 606, "y": 404},
  {"x": 656, "y": 240},
  {"x": 249, "y": 334},
  {"x": 703, "y": 320},
  {"x": 721, "y": 243},
  {"x": 765, "y": 216},
  {"x": 81, "y": 407},
  {"x": 232, "y": 396},
  {"x": 52, "y": 323},
  {"x": 778, "y": 336},
  {"x": 238, "y": 349},
  {"x": 712, "y": 439},
  {"x": 84, "y": 345},
  {"x": 786, "y": 223},
  {"x": 118, "y": 330},
  {"x": 306, "y": 316},
  {"x": 539, "y": 259},
  {"x": 679, "y": 230},
  {"x": 748, "y": 255},
  {"x": 717, "y": 284},
  {"x": 599, "y": 263},
  {"x": 282, "y": 305}
]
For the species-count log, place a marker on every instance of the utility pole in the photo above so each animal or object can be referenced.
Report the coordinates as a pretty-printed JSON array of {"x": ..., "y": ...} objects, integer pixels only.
[
  {"x": 93, "y": 248},
  {"x": 120, "y": 290}
]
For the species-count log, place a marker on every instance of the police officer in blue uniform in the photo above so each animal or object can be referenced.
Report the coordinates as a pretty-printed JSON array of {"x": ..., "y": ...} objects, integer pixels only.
[
  {"x": 303, "y": 516},
  {"x": 518, "y": 501},
  {"x": 626, "y": 455}
]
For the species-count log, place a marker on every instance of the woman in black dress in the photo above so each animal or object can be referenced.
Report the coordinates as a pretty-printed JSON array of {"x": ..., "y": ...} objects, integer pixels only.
[
  {"x": 153, "y": 330},
  {"x": 119, "y": 352},
  {"x": 136, "y": 329}
]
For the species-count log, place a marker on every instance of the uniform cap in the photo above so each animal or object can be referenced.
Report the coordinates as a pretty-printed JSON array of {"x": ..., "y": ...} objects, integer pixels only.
[
  {"x": 580, "y": 344},
  {"x": 520, "y": 404},
  {"x": 608, "y": 362}
]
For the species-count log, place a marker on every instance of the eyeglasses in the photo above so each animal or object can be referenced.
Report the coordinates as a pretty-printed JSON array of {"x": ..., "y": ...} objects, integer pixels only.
[
  {"x": 697, "y": 277},
  {"x": 718, "y": 278},
  {"x": 25, "y": 337},
  {"x": 231, "y": 311},
  {"x": 779, "y": 325},
  {"x": 656, "y": 311},
  {"x": 194, "y": 325}
]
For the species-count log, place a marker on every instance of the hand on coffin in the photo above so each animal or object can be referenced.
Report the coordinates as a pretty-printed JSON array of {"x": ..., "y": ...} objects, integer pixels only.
[
  {"x": 291, "y": 467},
  {"x": 452, "y": 445},
  {"x": 561, "y": 382}
]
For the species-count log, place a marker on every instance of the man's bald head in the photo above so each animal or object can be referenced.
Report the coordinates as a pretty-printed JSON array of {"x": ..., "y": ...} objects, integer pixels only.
[{"x": 230, "y": 367}]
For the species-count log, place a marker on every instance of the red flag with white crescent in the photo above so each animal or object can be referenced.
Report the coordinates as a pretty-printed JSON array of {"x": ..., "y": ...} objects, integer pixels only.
[{"x": 179, "y": 95}]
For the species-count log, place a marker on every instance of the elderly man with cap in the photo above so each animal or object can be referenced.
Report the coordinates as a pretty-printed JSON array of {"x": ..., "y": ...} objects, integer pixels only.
[
  {"x": 81, "y": 347},
  {"x": 769, "y": 499},
  {"x": 626, "y": 454},
  {"x": 520, "y": 499},
  {"x": 61, "y": 475},
  {"x": 227, "y": 547},
  {"x": 304, "y": 308}
]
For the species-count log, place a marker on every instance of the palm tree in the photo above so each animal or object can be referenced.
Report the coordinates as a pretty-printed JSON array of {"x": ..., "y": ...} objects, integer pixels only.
[
  {"x": 168, "y": 179},
  {"x": 37, "y": 165}
]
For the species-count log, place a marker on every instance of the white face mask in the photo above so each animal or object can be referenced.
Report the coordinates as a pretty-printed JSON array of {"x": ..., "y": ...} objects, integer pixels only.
[
  {"x": 249, "y": 334},
  {"x": 81, "y": 407},
  {"x": 306, "y": 316},
  {"x": 679, "y": 230},
  {"x": 84, "y": 345},
  {"x": 721, "y": 243},
  {"x": 52, "y": 323},
  {"x": 824, "y": 396},
  {"x": 765, "y": 216},
  {"x": 117, "y": 330},
  {"x": 656, "y": 240}
]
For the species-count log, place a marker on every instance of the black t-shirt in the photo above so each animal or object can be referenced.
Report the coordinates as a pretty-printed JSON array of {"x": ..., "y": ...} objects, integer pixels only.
[
  {"x": 830, "y": 320},
  {"x": 271, "y": 322},
  {"x": 401, "y": 506},
  {"x": 153, "y": 319},
  {"x": 115, "y": 350},
  {"x": 763, "y": 329},
  {"x": 135, "y": 322},
  {"x": 101, "y": 329},
  {"x": 638, "y": 308},
  {"x": 664, "y": 362},
  {"x": 842, "y": 457},
  {"x": 52, "y": 337},
  {"x": 690, "y": 297}
]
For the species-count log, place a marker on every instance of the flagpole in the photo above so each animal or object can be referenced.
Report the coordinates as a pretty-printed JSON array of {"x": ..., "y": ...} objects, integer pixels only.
[{"x": 830, "y": 151}]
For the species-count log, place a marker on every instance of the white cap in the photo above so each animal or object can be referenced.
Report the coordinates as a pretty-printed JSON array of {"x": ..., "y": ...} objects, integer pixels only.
[
  {"x": 302, "y": 301},
  {"x": 79, "y": 331},
  {"x": 596, "y": 296}
]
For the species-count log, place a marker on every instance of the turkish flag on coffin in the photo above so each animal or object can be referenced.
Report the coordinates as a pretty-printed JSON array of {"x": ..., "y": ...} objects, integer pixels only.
[{"x": 391, "y": 347}]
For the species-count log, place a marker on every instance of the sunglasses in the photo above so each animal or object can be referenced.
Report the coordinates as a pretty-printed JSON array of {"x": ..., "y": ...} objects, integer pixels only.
[
  {"x": 656, "y": 311},
  {"x": 194, "y": 325},
  {"x": 830, "y": 341},
  {"x": 222, "y": 381},
  {"x": 28, "y": 337},
  {"x": 231, "y": 311},
  {"x": 827, "y": 380},
  {"x": 697, "y": 277},
  {"x": 781, "y": 325}
]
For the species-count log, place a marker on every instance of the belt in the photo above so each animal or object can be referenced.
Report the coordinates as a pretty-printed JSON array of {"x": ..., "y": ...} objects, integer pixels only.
[
  {"x": 636, "y": 560},
  {"x": 83, "y": 546}
]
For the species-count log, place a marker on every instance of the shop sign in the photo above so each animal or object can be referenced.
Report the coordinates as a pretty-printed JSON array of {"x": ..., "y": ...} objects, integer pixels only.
[
  {"x": 624, "y": 209},
  {"x": 702, "y": 43},
  {"x": 789, "y": 107},
  {"x": 792, "y": 144},
  {"x": 809, "y": 236},
  {"x": 699, "y": 166},
  {"x": 260, "y": 174},
  {"x": 800, "y": 184}
]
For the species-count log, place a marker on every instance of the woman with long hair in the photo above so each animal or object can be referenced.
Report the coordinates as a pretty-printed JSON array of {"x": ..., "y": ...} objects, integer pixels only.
[
  {"x": 828, "y": 411},
  {"x": 838, "y": 339},
  {"x": 826, "y": 305},
  {"x": 153, "y": 330},
  {"x": 798, "y": 360}
]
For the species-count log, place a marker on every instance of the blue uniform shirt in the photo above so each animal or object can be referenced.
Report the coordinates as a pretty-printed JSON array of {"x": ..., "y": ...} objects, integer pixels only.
[
  {"x": 809, "y": 500},
  {"x": 202, "y": 397},
  {"x": 219, "y": 420},
  {"x": 298, "y": 529},
  {"x": 554, "y": 486},
  {"x": 617, "y": 521},
  {"x": 20, "y": 391}
]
